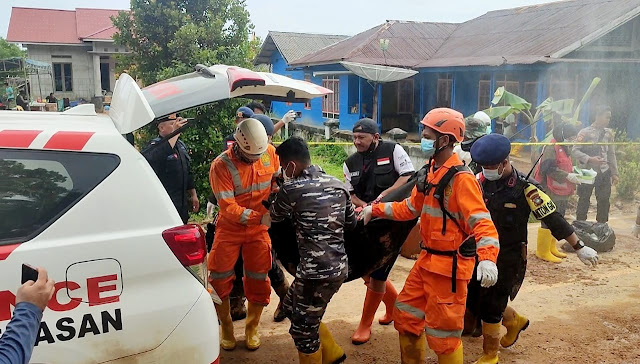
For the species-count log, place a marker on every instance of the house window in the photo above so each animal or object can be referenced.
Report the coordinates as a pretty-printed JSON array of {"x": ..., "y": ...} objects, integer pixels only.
[
  {"x": 445, "y": 84},
  {"x": 562, "y": 87},
  {"x": 307, "y": 104},
  {"x": 405, "y": 96},
  {"x": 484, "y": 94},
  {"x": 510, "y": 86},
  {"x": 331, "y": 102},
  {"x": 63, "y": 77}
]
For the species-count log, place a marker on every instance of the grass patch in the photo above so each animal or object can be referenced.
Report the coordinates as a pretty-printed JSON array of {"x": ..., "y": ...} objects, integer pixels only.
[{"x": 330, "y": 158}]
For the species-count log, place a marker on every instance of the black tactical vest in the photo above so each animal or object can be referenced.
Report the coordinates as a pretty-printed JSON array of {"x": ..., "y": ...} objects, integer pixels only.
[{"x": 372, "y": 172}]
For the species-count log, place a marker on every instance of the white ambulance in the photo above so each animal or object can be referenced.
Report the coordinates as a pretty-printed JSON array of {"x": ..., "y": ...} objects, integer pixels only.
[{"x": 77, "y": 199}]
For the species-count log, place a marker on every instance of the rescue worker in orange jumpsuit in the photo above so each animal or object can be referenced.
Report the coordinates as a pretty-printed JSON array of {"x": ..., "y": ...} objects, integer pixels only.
[
  {"x": 241, "y": 178},
  {"x": 455, "y": 225}
]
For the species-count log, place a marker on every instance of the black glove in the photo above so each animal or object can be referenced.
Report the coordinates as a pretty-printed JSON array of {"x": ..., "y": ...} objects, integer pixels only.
[{"x": 421, "y": 178}]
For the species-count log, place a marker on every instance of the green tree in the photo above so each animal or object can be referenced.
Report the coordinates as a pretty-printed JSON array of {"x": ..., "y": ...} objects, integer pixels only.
[
  {"x": 10, "y": 50},
  {"x": 168, "y": 38}
]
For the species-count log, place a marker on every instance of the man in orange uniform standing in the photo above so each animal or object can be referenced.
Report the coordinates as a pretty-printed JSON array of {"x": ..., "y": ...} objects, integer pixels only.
[
  {"x": 241, "y": 178},
  {"x": 455, "y": 225}
]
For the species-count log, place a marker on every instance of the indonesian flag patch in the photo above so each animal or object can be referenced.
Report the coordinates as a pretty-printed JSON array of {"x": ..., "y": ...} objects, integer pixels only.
[{"x": 383, "y": 161}]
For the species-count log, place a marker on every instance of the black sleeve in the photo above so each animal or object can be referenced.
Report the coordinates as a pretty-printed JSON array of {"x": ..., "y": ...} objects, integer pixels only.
[
  {"x": 190, "y": 184},
  {"x": 560, "y": 228},
  {"x": 156, "y": 155}
]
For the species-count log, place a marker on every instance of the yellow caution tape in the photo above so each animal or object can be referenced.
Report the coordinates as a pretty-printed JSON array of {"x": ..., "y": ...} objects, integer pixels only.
[{"x": 514, "y": 143}]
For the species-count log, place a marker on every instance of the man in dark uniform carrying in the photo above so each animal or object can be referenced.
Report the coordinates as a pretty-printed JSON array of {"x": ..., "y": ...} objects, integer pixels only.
[
  {"x": 171, "y": 162},
  {"x": 378, "y": 168},
  {"x": 510, "y": 198}
]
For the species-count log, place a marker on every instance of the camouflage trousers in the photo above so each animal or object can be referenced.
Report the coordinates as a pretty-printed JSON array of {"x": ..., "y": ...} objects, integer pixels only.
[{"x": 304, "y": 305}]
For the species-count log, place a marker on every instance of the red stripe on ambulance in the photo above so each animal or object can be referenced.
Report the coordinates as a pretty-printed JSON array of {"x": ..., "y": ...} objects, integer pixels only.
[
  {"x": 6, "y": 250},
  {"x": 17, "y": 138},
  {"x": 69, "y": 140}
]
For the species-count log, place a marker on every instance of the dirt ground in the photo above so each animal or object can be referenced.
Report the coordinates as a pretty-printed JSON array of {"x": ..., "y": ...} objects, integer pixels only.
[{"x": 578, "y": 314}]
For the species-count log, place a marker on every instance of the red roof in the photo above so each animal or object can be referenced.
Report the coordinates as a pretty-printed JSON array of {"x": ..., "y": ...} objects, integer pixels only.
[{"x": 31, "y": 25}]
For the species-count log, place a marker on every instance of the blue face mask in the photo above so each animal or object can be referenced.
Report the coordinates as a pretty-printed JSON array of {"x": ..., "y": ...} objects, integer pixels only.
[{"x": 427, "y": 146}]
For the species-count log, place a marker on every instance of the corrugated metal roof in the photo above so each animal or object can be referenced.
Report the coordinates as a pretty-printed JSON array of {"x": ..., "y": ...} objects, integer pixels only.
[
  {"x": 294, "y": 46},
  {"x": 32, "y": 25},
  {"x": 525, "y": 35},
  {"x": 91, "y": 22},
  {"x": 29, "y": 25},
  {"x": 409, "y": 44},
  {"x": 531, "y": 34}
]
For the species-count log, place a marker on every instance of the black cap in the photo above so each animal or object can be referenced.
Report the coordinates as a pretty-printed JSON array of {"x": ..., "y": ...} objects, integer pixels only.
[{"x": 366, "y": 125}]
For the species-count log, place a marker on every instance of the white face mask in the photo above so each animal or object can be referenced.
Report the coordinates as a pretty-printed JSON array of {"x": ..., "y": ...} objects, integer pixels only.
[
  {"x": 492, "y": 174},
  {"x": 284, "y": 172}
]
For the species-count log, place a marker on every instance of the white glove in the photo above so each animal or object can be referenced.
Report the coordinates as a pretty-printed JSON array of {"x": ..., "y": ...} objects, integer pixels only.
[
  {"x": 366, "y": 214},
  {"x": 635, "y": 231},
  {"x": 289, "y": 117},
  {"x": 487, "y": 273},
  {"x": 573, "y": 178},
  {"x": 588, "y": 256},
  {"x": 266, "y": 220}
]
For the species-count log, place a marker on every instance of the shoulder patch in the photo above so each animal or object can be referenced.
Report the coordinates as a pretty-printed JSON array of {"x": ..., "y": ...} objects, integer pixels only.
[
  {"x": 448, "y": 190},
  {"x": 541, "y": 205},
  {"x": 266, "y": 159}
]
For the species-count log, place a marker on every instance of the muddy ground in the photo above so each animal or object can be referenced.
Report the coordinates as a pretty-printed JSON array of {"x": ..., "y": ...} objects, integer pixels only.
[{"x": 578, "y": 314}]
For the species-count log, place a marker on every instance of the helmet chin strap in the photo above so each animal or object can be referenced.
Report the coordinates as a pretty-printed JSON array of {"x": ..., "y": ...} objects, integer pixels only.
[
  {"x": 438, "y": 149},
  {"x": 240, "y": 155}
]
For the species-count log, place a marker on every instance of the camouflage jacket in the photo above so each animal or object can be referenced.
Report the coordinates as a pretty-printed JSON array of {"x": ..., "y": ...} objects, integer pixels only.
[
  {"x": 583, "y": 152},
  {"x": 320, "y": 208}
]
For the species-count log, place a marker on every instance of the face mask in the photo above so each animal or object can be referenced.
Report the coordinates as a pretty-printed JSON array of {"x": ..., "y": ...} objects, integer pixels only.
[
  {"x": 427, "y": 146},
  {"x": 284, "y": 172},
  {"x": 492, "y": 174}
]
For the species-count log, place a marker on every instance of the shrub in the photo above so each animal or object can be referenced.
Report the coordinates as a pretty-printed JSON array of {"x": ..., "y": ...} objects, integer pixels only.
[{"x": 628, "y": 169}]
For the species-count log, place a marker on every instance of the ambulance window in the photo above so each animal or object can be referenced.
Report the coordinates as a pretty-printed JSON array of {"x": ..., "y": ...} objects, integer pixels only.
[{"x": 37, "y": 187}]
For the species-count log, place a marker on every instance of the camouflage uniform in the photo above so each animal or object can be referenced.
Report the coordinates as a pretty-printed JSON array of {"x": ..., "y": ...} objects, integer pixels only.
[
  {"x": 602, "y": 183},
  {"x": 321, "y": 209}
]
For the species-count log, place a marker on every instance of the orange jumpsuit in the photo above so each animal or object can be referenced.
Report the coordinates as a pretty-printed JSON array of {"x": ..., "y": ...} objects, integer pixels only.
[
  {"x": 427, "y": 301},
  {"x": 240, "y": 189}
]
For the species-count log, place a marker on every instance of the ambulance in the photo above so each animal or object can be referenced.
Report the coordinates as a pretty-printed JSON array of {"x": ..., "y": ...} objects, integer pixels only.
[{"x": 78, "y": 200}]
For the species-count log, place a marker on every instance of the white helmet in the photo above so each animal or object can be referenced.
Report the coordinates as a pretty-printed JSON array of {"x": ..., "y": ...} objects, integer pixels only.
[
  {"x": 251, "y": 136},
  {"x": 482, "y": 117}
]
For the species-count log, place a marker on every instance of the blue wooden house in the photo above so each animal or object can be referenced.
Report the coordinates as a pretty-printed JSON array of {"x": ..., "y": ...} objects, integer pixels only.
[
  {"x": 279, "y": 50},
  {"x": 549, "y": 50}
]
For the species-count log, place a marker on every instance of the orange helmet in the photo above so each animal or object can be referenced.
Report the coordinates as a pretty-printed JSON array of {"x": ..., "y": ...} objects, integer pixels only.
[{"x": 445, "y": 121}]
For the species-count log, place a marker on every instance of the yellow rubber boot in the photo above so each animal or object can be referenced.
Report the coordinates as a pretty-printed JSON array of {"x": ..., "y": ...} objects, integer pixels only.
[
  {"x": 490, "y": 343},
  {"x": 315, "y": 358},
  {"x": 254, "y": 311},
  {"x": 456, "y": 357},
  {"x": 554, "y": 248},
  {"x": 515, "y": 324},
  {"x": 227, "y": 338},
  {"x": 543, "y": 249},
  {"x": 413, "y": 349},
  {"x": 332, "y": 353}
]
